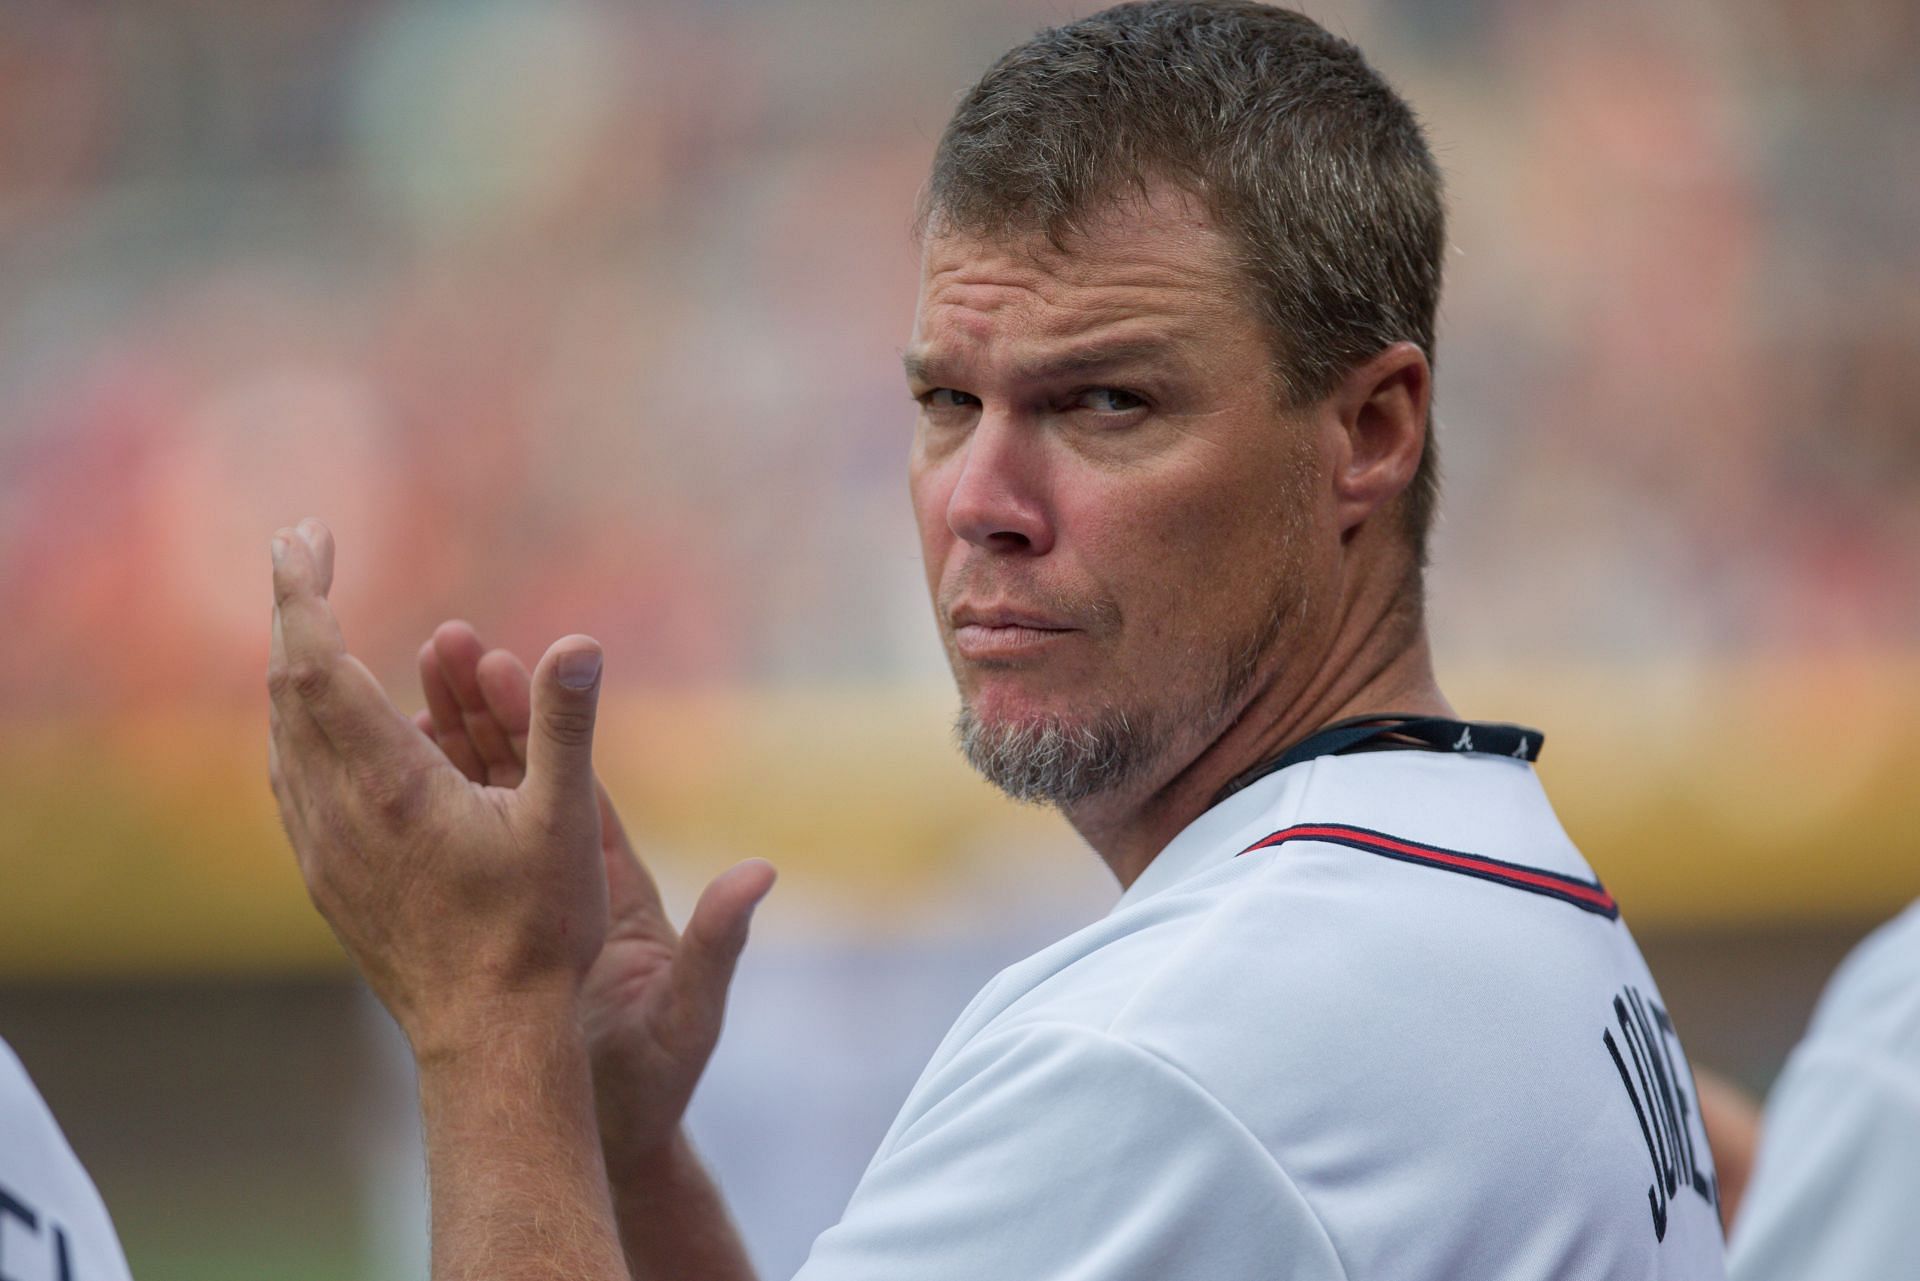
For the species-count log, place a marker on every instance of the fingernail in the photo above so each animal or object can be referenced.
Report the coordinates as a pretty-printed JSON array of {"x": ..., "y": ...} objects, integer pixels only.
[
  {"x": 279, "y": 546},
  {"x": 578, "y": 669}
]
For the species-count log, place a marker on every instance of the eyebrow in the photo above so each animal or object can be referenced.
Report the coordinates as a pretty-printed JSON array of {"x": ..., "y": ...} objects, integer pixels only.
[{"x": 923, "y": 367}]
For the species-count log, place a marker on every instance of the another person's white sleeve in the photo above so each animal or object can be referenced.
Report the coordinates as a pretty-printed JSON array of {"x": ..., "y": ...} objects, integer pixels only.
[
  {"x": 1836, "y": 1190},
  {"x": 52, "y": 1222},
  {"x": 1061, "y": 1153}
]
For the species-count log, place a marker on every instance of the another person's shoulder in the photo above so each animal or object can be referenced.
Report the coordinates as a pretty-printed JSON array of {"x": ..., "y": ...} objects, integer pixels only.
[
  {"x": 1839, "y": 1164},
  {"x": 1874, "y": 996},
  {"x": 55, "y": 1213}
]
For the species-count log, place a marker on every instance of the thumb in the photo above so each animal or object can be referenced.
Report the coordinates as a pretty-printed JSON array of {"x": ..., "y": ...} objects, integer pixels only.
[
  {"x": 566, "y": 694},
  {"x": 716, "y": 933}
]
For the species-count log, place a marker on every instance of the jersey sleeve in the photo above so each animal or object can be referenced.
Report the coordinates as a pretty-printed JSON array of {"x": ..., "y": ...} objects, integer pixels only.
[
  {"x": 52, "y": 1221},
  {"x": 1062, "y": 1153}
]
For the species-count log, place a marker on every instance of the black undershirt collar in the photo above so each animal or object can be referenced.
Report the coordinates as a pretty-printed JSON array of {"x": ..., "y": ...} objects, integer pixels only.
[{"x": 1394, "y": 731}]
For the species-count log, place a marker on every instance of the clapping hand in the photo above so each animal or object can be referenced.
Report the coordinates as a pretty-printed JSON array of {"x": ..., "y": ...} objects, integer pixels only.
[
  {"x": 475, "y": 871},
  {"x": 653, "y": 1001},
  {"x": 455, "y": 897}
]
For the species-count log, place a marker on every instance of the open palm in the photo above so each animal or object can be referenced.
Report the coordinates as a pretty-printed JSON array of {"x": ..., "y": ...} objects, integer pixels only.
[{"x": 654, "y": 1000}]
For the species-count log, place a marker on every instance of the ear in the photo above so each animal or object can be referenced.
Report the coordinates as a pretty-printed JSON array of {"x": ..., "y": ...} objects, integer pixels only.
[{"x": 1380, "y": 411}]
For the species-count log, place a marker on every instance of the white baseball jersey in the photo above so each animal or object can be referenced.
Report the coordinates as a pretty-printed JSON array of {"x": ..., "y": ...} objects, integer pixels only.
[
  {"x": 1371, "y": 1017},
  {"x": 53, "y": 1226},
  {"x": 1835, "y": 1192}
]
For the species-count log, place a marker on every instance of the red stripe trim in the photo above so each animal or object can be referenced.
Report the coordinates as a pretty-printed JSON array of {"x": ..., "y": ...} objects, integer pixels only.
[{"x": 1584, "y": 892}]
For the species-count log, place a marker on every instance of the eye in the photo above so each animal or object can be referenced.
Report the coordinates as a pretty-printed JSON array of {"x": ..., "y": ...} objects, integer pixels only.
[
  {"x": 946, "y": 398},
  {"x": 1109, "y": 400}
]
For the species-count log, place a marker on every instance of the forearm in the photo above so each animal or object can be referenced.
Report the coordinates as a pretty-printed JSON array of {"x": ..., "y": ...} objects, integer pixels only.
[
  {"x": 513, "y": 1154},
  {"x": 674, "y": 1224}
]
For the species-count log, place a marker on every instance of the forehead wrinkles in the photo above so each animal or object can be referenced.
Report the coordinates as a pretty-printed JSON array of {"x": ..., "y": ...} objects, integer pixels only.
[{"x": 988, "y": 293}]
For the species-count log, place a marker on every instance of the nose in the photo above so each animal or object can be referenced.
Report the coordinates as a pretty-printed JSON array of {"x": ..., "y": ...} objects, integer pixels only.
[{"x": 997, "y": 502}]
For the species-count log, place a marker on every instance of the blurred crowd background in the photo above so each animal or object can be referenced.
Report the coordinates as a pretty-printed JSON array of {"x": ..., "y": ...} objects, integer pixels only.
[{"x": 586, "y": 317}]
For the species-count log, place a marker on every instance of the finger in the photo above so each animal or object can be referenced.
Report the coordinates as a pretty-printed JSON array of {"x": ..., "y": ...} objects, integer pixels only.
[
  {"x": 423, "y": 722},
  {"x": 320, "y": 539},
  {"x": 716, "y": 933},
  {"x": 274, "y": 777},
  {"x": 283, "y": 796},
  {"x": 566, "y": 694},
  {"x": 633, "y": 898},
  {"x": 507, "y": 687},
  {"x": 335, "y": 688},
  {"x": 286, "y": 789},
  {"x": 460, "y": 651},
  {"x": 295, "y": 746},
  {"x": 441, "y": 721},
  {"x": 290, "y": 718},
  {"x": 439, "y": 693}
]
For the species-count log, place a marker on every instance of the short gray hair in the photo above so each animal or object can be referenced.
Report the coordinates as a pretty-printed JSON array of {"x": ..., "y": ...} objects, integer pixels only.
[{"x": 1309, "y": 160}]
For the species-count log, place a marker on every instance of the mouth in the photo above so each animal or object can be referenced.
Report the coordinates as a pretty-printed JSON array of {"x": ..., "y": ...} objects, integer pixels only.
[{"x": 988, "y": 634}]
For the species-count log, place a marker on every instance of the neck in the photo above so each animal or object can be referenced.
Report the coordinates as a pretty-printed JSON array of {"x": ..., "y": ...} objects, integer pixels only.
[{"x": 1382, "y": 665}]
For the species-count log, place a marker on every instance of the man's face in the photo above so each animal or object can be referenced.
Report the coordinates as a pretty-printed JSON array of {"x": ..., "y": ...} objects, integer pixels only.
[{"x": 1116, "y": 515}]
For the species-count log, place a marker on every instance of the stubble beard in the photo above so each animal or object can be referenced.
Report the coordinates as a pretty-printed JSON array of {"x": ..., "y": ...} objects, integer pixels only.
[
  {"x": 1065, "y": 761},
  {"x": 1060, "y": 761}
]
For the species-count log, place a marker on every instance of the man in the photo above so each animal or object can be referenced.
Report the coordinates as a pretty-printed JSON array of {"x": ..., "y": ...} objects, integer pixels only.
[{"x": 1361, "y": 1011}]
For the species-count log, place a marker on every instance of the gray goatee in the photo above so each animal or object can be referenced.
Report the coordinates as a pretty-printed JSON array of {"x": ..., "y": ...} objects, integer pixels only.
[{"x": 1054, "y": 763}]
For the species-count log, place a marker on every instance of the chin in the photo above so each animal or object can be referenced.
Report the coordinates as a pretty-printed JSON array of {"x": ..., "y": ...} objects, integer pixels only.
[
  {"x": 1047, "y": 759},
  {"x": 1005, "y": 705}
]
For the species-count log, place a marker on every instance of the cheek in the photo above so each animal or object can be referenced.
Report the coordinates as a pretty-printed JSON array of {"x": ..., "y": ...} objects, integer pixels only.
[
  {"x": 1135, "y": 547},
  {"x": 1188, "y": 562},
  {"x": 930, "y": 489},
  {"x": 1158, "y": 531}
]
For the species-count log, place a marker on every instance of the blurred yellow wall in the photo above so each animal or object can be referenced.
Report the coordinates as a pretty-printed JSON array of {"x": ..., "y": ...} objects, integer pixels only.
[{"x": 1751, "y": 793}]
